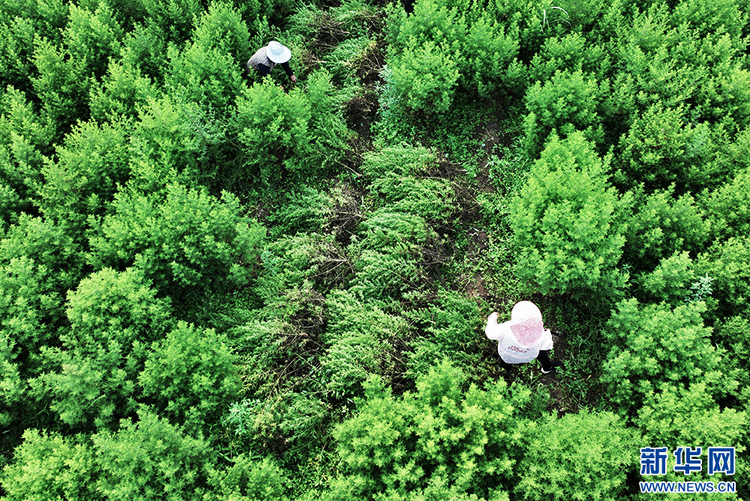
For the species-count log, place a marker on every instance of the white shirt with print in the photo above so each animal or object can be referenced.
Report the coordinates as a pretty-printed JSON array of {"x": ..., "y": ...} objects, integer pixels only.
[{"x": 508, "y": 347}]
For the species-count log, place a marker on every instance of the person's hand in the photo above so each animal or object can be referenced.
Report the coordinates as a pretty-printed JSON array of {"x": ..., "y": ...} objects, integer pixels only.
[{"x": 293, "y": 79}]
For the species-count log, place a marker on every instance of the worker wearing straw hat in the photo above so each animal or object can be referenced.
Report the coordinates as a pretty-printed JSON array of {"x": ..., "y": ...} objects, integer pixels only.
[
  {"x": 523, "y": 338},
  {"x": 268, "y": 57}
]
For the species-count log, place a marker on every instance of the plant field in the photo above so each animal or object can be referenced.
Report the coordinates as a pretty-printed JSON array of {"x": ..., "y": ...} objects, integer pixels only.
[{"x": 220, "y": 286}]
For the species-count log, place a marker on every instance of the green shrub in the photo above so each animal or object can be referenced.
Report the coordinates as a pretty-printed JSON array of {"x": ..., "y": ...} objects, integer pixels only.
[
  {"x": 660, "y": 150},
  {"x": 568, "y": 224},
  {"x": 389, "y": 255},
  {"x": 84, "y": 179},
  {"x": 463, "y": 440},
  {"x": 16, "y": 51},
  {"x": 62, "y": 85},
  {"x": 728, "y": 206},
  {"x": 728, "y": 263},
  {"x": 181, "y": 239},
  {"x": 663, "y": 225},
  {"x": 172, "y": 22},
  {"x": 573, "y": 52},
  {"x": 426, "y": 75},
  {"x": 250, "y": 479},
  {"x": 179, "y": 141},
  {"x": 203, "y": 75},
  {"x": 671, "y": 279},
  {"x": 654, "y": 345},
  {"x": 401, "y": 160},
  {"x": 48, "y": 244},
  {"x": 48, "y": 466},
  {"x": 122, "y": 90},
  {"x": 443, "y": 47},
  {"x": 24, "y": 138},
  {"x": 303, "y": 132},
  {"x": 29, "y": 311},
  {"x": 731, "y": 334},
  {"x": 190, "y": 376},
  {"x": 564, "y": 104},
  {"x": 30, "y": 317},
  {"x": 93, "y": 37},
  {"x": 360, "y": 342},
  {"x": 579, "y": 456},
  {"x": 150, "y": 459},
  {"x": 676, "y": 416},
  {"x": 486, "y": 63},
  {"x": 93, "y": 375},
  {"x": 294, "y": 422},
  {"x": 145, "y": 50},
  {"x": 448, "y": 329},
  {"x": 303, "y": 210},
  {"x": 221, "y": 27},
  {"x": 432, "y": 199}
]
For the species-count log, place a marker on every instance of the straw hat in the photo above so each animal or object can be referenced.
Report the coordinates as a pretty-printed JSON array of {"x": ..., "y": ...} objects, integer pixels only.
[
  {"x": 277, "y": 53},
  {"x": 526, "y": 323}
]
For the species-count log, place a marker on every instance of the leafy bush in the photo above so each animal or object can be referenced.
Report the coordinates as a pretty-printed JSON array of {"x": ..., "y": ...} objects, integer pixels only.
[
  {"x": 731, "y": 334},
  {"x": 190, "y": 376},
  {"x": 179, "y": 141},
  {"x": 30, "y": 315},
  {"x": 29, "y": 311},
  {"x": 388, "y": 259},
  {"x": 297, "y": 131},
  {"x": 16, "y": 50},
  {"x": 180, "y": 239},
  {"x": 49, "y": 466},
  {"x": 361, "y": 340},
  {"x": 728, "y": 263},
  {"x": 425, "y": 74},
  {"x": 93, "y": 378},
  {"x": 303, "y": 210},
  {"x": 83, "y": 181},
  {"x": 150, "y": 459},
  {"x": 221, "y": 27},
  {"x": 671, "y": 279},
  {"x": 401, "y": 160},
  {"x": 48, "y": 244},
  {"x": 568, "y": 225},
  {"x": 654, "y": 345},
  {"x": 663, "y": 225},
  {"x": 728, "y": 206},
  {"x": 564, "y": 104},
  {"x": 448, "y": 329},
  {"x": 676, "y": 416},
  {"x": 123, "y": 88},
  {"x": 250, "y": 479},
  {"x": 203, "y": 75},
  {"x": 437, "y": 50},
  {"x": 660, "y": 149},
  {"x": 93, "y": 37},
  {"x": 573, "y": 52},
  {"x": 24, "y": 137},
  {"x": 579, "y": 456},
  {"x": 62, "y": 85},
  {"x": 464, "y": 441}
]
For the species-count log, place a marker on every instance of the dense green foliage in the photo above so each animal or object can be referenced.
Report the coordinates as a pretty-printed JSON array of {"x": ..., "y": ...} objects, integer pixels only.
[{"x": 217, "y": 287}]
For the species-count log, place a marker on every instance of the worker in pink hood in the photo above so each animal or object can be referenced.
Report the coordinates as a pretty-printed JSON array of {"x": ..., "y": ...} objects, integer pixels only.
[{"x": 523, "y": 338}]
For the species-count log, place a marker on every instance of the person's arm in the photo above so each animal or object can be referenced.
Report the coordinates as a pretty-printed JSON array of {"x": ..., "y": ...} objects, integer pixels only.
[
  {"x": 289, "y": 72},
  {"x": 493, "y": 330}
]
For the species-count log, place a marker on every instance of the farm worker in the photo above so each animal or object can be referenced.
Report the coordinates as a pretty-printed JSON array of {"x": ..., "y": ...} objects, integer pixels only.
[
  {"x": 268, "y": 57},
  {"x": 523, "y": 338}
]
